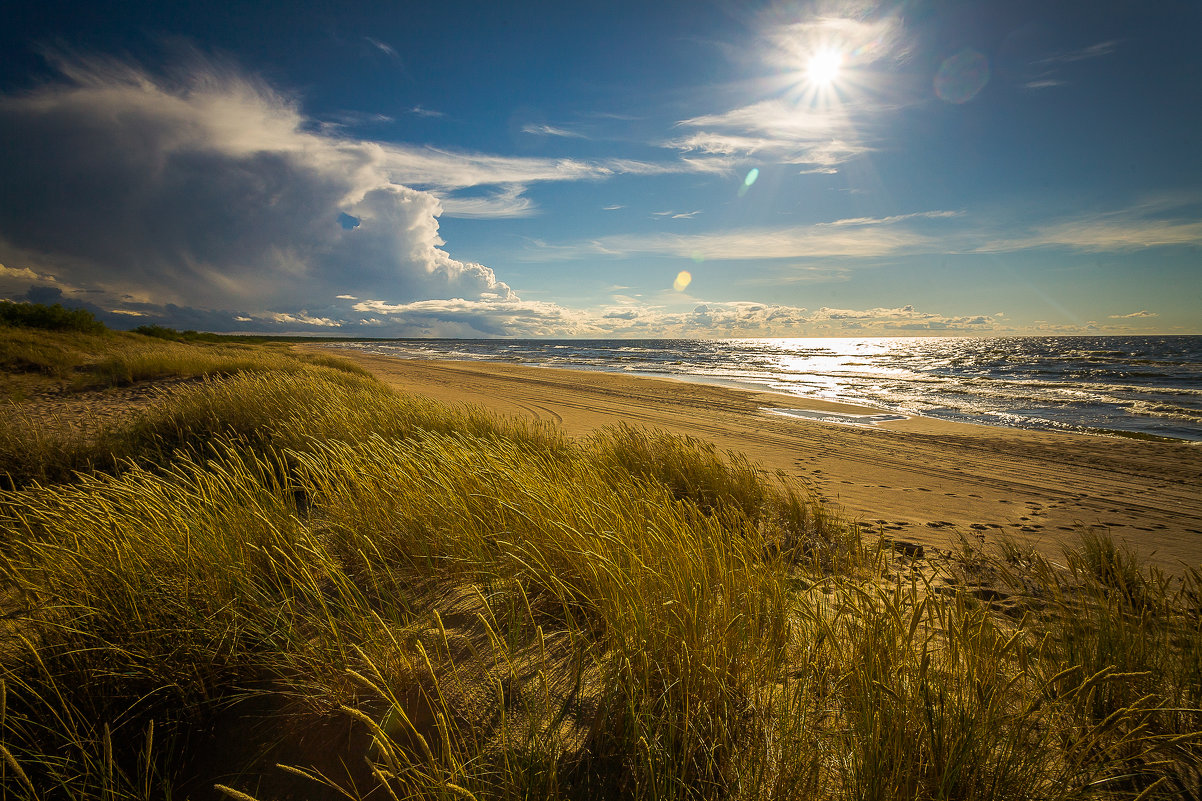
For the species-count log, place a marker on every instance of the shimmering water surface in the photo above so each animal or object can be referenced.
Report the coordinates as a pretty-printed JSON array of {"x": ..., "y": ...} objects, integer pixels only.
[{"x": 1117, "y": 385}]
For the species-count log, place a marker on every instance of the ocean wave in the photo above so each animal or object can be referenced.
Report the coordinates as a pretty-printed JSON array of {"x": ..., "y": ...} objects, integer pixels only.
[{"x": 1141, "y": 384}]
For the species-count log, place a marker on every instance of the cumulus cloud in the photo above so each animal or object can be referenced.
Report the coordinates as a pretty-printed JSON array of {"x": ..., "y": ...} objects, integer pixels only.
[
  {"x": 208, "y": 189},
  {"x": 214, "y": 191},
  {"x": 899, "y": 320},
  {"x": 522, "y": 318}
]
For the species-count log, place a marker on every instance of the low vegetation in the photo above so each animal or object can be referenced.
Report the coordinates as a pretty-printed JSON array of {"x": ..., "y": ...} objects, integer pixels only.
[
  {"x": 285, "y": 581},
  {"x": 49, "y": 318}
]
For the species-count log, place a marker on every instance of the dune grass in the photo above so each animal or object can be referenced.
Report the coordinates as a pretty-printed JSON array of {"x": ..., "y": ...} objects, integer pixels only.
[
  {"x": 94, "y": 357},
  {"x": 296, "y": 584}
]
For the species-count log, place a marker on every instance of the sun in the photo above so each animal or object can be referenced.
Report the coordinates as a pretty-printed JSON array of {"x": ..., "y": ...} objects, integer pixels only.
[{"x": 823, "y": 67}]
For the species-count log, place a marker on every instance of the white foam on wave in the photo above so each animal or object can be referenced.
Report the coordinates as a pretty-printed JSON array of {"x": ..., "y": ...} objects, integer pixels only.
[{"x": 839, "y": 417}]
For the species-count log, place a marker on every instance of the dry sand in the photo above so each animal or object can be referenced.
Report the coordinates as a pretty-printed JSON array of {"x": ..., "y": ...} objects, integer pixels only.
[{"x": 918, "y": 479}]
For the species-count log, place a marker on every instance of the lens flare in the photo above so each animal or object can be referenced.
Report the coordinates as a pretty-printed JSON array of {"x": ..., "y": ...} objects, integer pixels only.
[
  {"x": 683, "y": 279},
  {"x": 752, "y": 175},
  {"x": 962, "y": 76}
]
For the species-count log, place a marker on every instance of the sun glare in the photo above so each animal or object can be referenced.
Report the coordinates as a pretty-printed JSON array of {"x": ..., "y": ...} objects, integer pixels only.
[{"x": 823, "y": 67}]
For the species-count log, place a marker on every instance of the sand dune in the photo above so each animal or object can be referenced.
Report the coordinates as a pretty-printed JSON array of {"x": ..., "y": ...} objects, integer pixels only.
[{"x": 919, "y": 479}]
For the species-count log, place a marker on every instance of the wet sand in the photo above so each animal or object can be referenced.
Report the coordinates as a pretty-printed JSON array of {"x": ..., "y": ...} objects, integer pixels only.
[{"x": 917, "y": 479}]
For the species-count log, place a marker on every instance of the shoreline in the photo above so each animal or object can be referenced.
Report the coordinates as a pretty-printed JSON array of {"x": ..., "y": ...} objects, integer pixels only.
[
  {"x": 800, "y": 402},
  {"x": 921, "y": 479}
]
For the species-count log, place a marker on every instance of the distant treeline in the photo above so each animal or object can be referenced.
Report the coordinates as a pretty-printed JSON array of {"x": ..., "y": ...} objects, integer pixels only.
[
  {"x": 163, "y": 332},
  {"x": 50, "y": 318},
  {"x": 19, "y": 314}
]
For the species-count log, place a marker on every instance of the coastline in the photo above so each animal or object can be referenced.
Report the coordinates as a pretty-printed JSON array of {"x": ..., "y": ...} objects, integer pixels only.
[{"x": 918, "y": 479}]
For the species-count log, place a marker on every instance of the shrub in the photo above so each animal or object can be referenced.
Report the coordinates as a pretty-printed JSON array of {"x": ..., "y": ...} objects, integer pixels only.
[{"x": 50, "y": 318}]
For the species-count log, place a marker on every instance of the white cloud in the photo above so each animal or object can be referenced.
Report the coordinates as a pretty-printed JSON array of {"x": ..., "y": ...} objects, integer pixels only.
[
  {"x": 508, "y": 202},
  {"x": 551, "y": 130},
  {"x": 903, "y": 318},
  {"x": 302, "y": 318},
  {"x": 778, "y": 128},
  {"x": 1044, "y": 83},
  {"x": 208, "y": 189},
  {"x": 1097, "y": 50},
  {"x": 797, "y": 124},
  {"x": 523, "y": 318},
  {"x": 1143, "y": 314},
  {"x": 426, "y": 112},
  {"x": 1043, "y": 71},
  {"x": 860, "y": 31},
  {"x": 212, "y": 190},
  {"x": 1122, "y": 230},
  {"x": 381, "y": 46},
  {"x": 859, "y": 237}
]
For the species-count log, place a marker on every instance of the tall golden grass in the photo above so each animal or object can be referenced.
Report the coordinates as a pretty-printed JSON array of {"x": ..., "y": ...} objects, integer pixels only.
[{"x": 300, "y": 585}]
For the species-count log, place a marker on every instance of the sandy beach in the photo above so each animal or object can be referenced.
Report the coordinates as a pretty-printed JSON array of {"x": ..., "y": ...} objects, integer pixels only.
[{"x": 917, "y": 479}]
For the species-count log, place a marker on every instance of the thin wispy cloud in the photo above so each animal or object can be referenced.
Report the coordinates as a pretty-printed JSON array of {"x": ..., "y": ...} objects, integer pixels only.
[
  {"x": 382, "y": 46},
  {"x": 355, "y": 118},
  {"x": 896, "y": 218},
  {"x": 426, "y": 112},
  {"x": 1045, "y": 83},
  {"x": 1044, "y": 71},
  {"x": 509, "y": 202},
  {"x": 1097, "y": 50},
  {"x": 1143, "y": 314},
  {"x": 851, "y": 238},
  {"x": 867, "y": 238},
  {"x": 551, "y": 130},
  {"x": 776, "y": 128},
  {"x": 1113, "y": 233}
]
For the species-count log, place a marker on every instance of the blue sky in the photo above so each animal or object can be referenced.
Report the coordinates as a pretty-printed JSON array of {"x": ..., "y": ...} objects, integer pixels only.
[{"x": 607, "y": 169}]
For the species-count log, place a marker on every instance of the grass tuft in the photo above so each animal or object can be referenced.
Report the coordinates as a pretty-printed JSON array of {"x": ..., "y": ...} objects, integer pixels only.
[{"x": 290, "y": 582}]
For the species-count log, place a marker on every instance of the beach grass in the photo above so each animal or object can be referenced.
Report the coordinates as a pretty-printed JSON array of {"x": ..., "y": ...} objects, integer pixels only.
[{"x": 290, "y": 582}]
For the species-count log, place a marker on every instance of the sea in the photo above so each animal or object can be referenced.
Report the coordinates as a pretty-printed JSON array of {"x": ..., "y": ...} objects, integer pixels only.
[{"x": 1133, "y": 386}]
